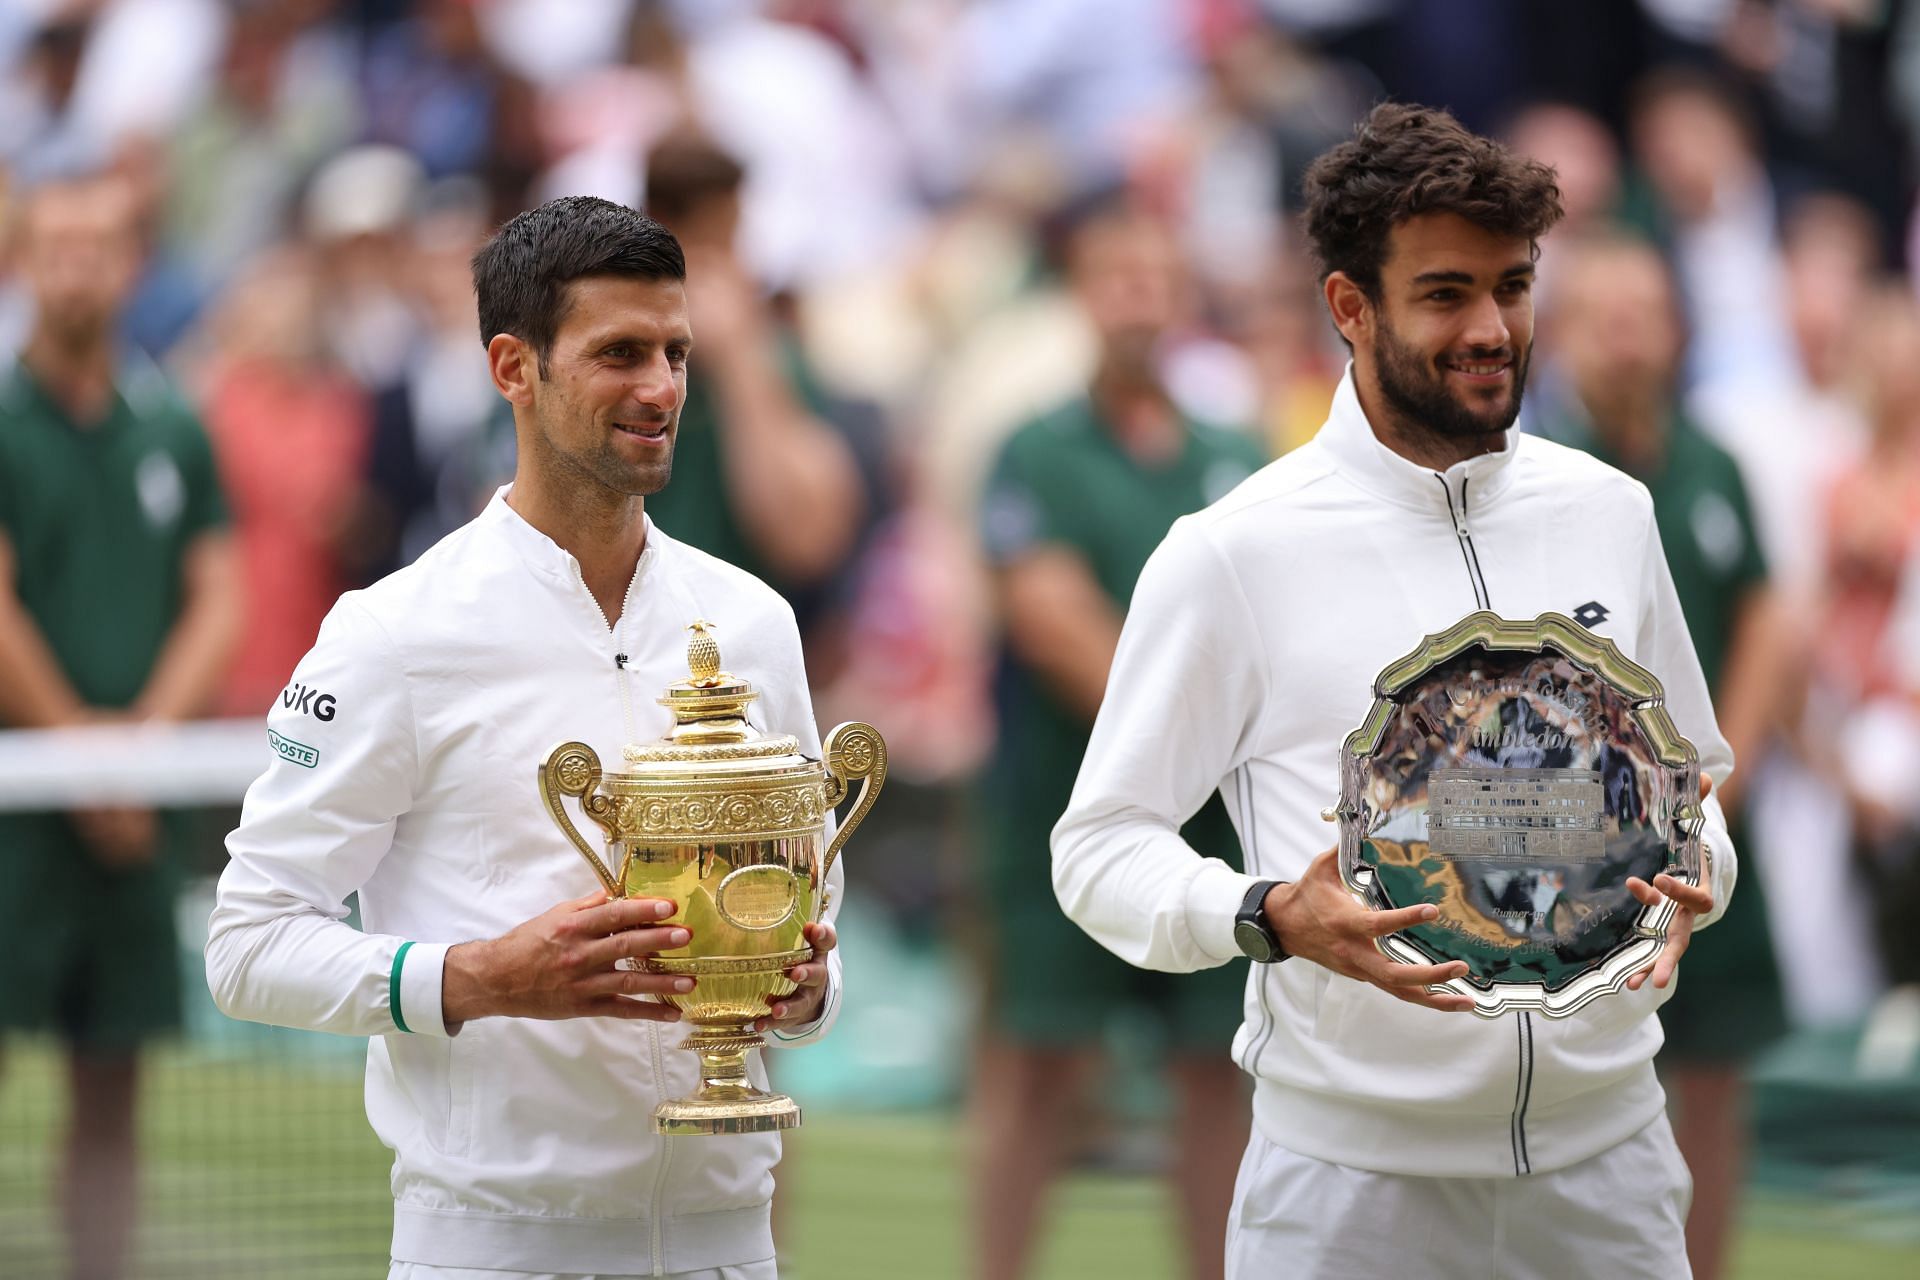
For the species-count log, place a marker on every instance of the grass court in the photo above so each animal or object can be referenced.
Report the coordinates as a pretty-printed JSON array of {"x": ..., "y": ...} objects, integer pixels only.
[{"x": 262, "y": 1165}]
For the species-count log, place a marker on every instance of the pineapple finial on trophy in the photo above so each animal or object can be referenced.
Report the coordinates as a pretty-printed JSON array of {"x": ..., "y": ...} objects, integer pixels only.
[
  {"x": 710, "y": 705},
  {"x": 703, "y": 653}
]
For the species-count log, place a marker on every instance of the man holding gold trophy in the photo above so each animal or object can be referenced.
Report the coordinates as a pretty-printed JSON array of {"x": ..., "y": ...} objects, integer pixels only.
[
  {"x": 1470, "y": 639},
  {"x": 523, "y": 1003}
]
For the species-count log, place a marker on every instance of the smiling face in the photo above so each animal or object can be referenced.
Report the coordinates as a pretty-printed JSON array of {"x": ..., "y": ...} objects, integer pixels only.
[
  {"x": 603, "y": 416},
  {"x": 1440, "y": 356}
]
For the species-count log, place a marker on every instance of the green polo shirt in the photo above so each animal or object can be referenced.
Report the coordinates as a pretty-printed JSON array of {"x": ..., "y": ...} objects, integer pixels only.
[
  {"x": 1728, "y": 1004},
  {"x": 1063, "y": 480},
  {"x": 696, "y": 506},
  {"x": 1707, "y": 529},
  {"x": 99, "y": 518}
]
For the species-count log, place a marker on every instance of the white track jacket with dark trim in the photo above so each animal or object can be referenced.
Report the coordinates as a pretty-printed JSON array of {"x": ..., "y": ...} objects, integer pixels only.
[
  {"x": 1249, "y": 653},
  {"x": 403, "y": 769}
]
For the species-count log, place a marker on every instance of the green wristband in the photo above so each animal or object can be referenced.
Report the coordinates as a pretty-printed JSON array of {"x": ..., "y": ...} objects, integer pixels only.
[{"x": 393, "y": 987}]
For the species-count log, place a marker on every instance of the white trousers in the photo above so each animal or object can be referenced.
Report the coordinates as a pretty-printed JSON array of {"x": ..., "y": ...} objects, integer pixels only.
[
  {"x": 1618, "y": 1216},
  {"x": 418, "y": 1271}
]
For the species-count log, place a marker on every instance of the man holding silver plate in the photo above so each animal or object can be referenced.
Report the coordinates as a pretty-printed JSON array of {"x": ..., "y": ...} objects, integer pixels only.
[{"x": 1470, "y": 639}]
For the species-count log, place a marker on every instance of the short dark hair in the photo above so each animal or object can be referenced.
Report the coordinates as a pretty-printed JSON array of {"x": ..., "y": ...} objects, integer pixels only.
[
  {"x": 520, "y": 276},
  {"x": 686, "y": 171},
  {"x": 1676, "y": 80},
  {"x": 1406, "y": 160},
  {"x": 1063, "y": 228}
]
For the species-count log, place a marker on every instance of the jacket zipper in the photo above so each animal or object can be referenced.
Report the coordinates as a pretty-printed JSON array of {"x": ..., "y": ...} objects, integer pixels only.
[
  {"x": 619, "y": 638},
  {"x": 1523, "y": 1027},
  {"x": 656, "y": 1247},
  {"x": 1522, "y": 1094},
  {"x": 1464, "y": 533}
]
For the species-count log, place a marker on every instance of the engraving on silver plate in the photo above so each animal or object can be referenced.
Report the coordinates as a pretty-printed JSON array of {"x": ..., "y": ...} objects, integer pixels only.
[{"x": 1519, "y": 814}]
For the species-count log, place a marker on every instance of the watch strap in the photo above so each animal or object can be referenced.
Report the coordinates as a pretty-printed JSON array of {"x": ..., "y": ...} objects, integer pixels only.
[{"x": 1253, "y": 912}]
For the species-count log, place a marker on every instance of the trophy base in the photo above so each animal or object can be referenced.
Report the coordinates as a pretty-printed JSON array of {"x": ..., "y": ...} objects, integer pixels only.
[
  {"x": 753, "y": 1112},
  {"x": 726, "y": 1101}
]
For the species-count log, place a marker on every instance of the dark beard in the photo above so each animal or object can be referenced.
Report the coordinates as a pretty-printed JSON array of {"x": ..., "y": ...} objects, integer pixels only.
[
  {"x": 1416, "y": 389},
  {"x": 601, "y": 467},
  {"x": 611, "y": 471}
]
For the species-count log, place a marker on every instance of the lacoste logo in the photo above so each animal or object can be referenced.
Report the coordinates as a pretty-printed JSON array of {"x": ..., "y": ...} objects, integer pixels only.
[
  {"x": 1591, "y": 614},
  {"x": 293, "y": 752},
  {"x": 298, "y": 697}
]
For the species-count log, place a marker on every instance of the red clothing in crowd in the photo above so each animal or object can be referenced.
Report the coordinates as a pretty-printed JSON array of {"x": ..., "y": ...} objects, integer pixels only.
[{"x": 292, "y": 449}]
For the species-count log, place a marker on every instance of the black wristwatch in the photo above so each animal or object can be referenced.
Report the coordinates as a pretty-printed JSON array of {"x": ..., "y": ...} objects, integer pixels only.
[{"x": 1251, "y": 931}]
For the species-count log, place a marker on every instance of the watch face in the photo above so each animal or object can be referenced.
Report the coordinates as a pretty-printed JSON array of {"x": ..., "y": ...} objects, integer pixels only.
[{"x": 1253, "y": 941}]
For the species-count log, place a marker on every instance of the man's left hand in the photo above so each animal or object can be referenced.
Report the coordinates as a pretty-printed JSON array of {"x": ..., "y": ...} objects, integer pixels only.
[
  {"x": 1691, "y": 901},
  {"x": 803, "y": 1006}
]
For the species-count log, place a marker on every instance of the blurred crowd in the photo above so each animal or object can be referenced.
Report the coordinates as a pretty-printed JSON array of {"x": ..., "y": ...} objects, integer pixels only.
[{"x": 884, "y": 206}]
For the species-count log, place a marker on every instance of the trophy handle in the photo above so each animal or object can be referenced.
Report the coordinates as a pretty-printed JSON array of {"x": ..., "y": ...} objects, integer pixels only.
[
  {"x": 573, "y": 769},
  {"x": 852, "y": 750}
]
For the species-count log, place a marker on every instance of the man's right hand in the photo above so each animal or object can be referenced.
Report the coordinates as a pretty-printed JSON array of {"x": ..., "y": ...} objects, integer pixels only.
[
  {"x": 565, "y": 963},
  {"x": 1317, "y": 919}
]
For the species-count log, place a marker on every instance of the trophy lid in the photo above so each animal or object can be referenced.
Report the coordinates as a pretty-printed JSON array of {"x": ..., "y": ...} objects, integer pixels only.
[{"x": 710, "y": 716}]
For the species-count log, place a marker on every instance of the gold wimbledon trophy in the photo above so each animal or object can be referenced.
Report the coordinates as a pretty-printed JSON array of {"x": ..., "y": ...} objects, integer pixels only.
[{"x": 728, "y": 824}]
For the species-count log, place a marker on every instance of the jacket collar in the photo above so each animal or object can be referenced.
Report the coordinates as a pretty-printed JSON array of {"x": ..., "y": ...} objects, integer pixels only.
[
  {"x": 1359, "y": 455},
  {"x": 545, "y": 556}
]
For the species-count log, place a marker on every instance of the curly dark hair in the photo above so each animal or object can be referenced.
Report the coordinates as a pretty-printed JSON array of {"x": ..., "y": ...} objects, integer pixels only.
[{"x": 1405, "y": 160}]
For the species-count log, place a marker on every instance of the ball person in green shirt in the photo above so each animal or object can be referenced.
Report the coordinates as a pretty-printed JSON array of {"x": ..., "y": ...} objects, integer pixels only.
[
  {"x": 118, "y": 603},
  {"x": 1076, "y": 503},
  {"x": 762, "y": 478},
  {"x": 1616, "y": 328}
]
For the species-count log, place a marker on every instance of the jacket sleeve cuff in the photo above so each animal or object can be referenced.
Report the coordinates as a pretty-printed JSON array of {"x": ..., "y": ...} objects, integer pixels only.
[
  {"x": 808, "y": 1032},
  {"x": 413, "y": 989},
  {"x": 1722, "y": 875},
  {"x": 1214, "y": 896}
]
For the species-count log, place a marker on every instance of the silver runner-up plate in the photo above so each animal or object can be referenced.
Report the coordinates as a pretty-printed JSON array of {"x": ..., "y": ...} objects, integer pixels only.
[{"x": 1515, "y": 774}]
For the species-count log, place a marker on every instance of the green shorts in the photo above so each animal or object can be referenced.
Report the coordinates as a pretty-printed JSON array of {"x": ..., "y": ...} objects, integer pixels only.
[
  {"x": 1049, "y": 985},
  {"x": 1728, "y": 1004},
  {"x": 89, "y": 952}
]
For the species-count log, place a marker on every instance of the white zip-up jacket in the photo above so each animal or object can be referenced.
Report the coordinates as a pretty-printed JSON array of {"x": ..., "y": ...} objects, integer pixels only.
[
  {"x": 403, "y": 769},
  {"x": 1249, "y": 653}
]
